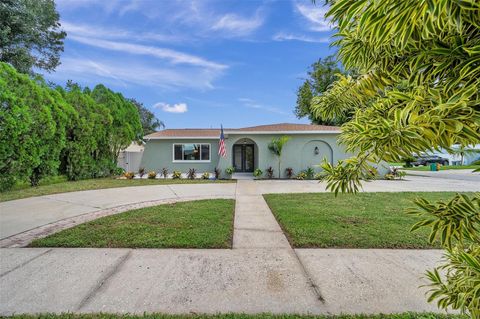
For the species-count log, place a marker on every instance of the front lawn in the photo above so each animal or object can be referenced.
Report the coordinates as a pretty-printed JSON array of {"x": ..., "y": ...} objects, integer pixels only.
[
  {"x": 364, "y": 220},
  {"x": 61, "y": 185},
  {"x": 194, "y": 224}
]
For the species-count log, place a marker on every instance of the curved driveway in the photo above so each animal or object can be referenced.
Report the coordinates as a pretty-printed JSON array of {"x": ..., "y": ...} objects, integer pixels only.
[{"x": 21, "y": 215}]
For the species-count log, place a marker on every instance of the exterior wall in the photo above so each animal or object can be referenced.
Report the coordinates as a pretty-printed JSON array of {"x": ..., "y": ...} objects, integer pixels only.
[
  {"x": 298, "y": 153},
  {"x": 159, "y": 154}
]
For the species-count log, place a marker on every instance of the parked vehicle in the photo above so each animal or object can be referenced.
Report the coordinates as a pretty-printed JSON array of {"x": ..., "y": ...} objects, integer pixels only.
[{"x": 429, "y": 159}]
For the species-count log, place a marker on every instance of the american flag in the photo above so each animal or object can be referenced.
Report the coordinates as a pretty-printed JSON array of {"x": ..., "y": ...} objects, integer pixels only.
[{"x": 222, "y": 151}]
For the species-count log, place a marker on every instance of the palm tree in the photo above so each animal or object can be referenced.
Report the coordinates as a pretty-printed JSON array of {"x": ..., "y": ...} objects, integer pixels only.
[
  {"x": 276, "y": 147},
  {"x": 464, "y": 150}
]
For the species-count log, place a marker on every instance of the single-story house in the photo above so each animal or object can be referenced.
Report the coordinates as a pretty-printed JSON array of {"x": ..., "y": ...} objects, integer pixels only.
[{"x": 246, "y": 148}]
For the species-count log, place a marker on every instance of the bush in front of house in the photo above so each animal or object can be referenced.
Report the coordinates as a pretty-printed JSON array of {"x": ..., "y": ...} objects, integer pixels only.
[
  {"x": 258, "y": 173},
  {"x": 289, "y": 172},
  {"x": 152, "y": 175},
  {"x": 177, "y": 175},
  {"x": 192, "y": 173},
  {"x": 165, "y": 172},
  {"x": 269, "y": 172},
  {"x": 302, "y": 175},
  {"x": 129, "y": 175},
  {"x": 141, "y": 172},
  {"x": 206, "y": 175},
  {"x": 217, "y": 173},
  {"x": 229, "y": 171}
]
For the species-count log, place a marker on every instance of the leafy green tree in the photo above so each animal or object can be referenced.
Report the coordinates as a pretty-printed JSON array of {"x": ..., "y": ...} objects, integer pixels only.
[
  {"x": 276, "y": 147},
  {"x": 33, "y": 119},
  {"x": 126, "y": 126},
  {"x": 86, "y": 153},
  {"x": 30, "y": 34},
  {"x": 149, "y": 122},
  {"x": 417, "y": 90},
  {"x": 321, "y": 75}
]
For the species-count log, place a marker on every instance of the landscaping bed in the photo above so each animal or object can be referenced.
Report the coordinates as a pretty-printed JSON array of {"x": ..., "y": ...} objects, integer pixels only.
[
  {"x": 194, "y": 224},
  {"x": 363, "y": 220},
  {"x": 61, "y": 185}
]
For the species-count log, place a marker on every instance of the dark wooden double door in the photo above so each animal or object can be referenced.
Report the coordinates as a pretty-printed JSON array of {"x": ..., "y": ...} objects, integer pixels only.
[{"x": 244, "y": 157}]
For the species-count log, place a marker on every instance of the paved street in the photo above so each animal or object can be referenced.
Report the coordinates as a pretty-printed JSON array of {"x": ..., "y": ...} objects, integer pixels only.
[{"x": 262, "y": 273}]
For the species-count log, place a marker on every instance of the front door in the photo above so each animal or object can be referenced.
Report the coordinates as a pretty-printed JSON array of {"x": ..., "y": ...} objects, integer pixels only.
[{"x": 243, "y": 158}]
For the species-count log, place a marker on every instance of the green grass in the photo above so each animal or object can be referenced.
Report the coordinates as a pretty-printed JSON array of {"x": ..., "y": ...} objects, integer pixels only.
[
  {"x": 442, "y": 168},
  {"x": 364, "y": 220},
  {"x": 195, "y": 224},
  {"x": 59, "y": 184},
  {"x": 406, "y": 315}
]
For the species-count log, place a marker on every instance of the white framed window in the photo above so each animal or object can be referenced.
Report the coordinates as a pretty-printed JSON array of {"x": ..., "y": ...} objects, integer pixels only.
[{"x": 194, "y": 152}]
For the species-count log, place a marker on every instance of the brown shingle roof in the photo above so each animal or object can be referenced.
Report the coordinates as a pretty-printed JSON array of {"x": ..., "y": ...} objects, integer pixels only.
[
  {"x": 286, "y": 127},
  {"x": 281, "y": 127}
]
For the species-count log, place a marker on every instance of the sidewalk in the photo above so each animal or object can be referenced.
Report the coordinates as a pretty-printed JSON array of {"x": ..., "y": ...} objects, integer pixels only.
[{"x": 262, "y": 273}]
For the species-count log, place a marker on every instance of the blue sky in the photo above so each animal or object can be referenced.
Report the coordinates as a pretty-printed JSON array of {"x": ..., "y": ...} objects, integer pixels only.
[{"x": 196, "y": 63}]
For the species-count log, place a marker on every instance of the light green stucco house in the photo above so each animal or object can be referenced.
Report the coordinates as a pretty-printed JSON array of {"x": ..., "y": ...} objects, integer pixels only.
[{"x": 247, "y": 148}]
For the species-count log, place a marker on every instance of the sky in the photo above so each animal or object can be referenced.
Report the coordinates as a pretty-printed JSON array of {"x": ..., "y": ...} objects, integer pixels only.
[{"x": 196, "y": 64}]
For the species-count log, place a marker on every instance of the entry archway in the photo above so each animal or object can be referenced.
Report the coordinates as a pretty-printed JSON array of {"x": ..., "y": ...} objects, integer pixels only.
[
  {"x": 245, "y": 155},
  {"x": 314, "y": 152}
]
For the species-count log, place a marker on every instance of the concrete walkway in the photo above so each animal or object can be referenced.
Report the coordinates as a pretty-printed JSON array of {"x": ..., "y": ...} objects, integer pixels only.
[{"x": 262, "y": 273}]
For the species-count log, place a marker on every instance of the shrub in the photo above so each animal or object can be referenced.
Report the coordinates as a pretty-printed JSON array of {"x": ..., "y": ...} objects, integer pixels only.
[
  {"x": 141, "y": 171},
  {"x": 395, "y": 173},
  {"x": 257, "y": 173},
  {"x": 192, "y": 172},
  {"x": 217, "y": 173},
  {"x": 129, "y": 175},
  {"x": 152, "y": 175},
  {"x": 309, "y": 173},
  {"x": 302, "y": 175},
  {"x": 269, "y": 172},
  {"x": 230, "y": 170},
  {"x": 206, "y": 175},
  {"x": 177, "y": 175},
  {"x": 289, "y": 172},
  {"x": 118, "y": 171},
  {"x": 165, "y": 172}
]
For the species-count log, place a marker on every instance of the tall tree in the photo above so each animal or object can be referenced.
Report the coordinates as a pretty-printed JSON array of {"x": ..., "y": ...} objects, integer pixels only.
[
  {"x": 149, "y": 121},
  {"x": 33, "y": 120},
  {"x": 320, "y": 76},
  {"x": 417, "y": 91},
  {"x": 30, "y": 34},
  {"x": 126, "y": 126}
]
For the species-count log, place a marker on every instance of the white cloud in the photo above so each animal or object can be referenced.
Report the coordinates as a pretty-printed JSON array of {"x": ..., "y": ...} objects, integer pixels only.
[
  {"x": 299, "y": 37},
  {"x": 315, "y": 16},
  {"x": 175, "y": 108},
  {"x": 130, "y": 72},
  {"x": 254, "y": 105},
  {"x": 99, "y": 31},
  {"x": 172, "y": 56},
  {"x": 237, "y": 25}
]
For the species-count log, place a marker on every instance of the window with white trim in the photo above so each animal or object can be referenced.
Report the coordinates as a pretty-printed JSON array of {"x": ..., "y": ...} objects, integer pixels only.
[{"x": 191, "y": 152}]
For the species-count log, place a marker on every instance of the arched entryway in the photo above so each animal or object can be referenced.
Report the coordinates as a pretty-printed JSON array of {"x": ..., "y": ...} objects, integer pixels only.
[
  {"x": 244, "y": 155},
  {"x": 314, "y": 152}
]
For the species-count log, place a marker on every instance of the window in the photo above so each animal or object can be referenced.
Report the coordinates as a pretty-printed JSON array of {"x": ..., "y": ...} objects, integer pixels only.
[{"x": 191, "y": 152}]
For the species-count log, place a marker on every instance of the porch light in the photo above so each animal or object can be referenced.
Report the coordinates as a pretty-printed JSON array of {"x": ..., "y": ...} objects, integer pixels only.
[{"x": 316, "y": 150}]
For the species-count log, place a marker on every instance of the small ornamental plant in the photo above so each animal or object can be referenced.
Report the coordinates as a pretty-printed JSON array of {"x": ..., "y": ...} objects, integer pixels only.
[
  {"x": 165, "y": 172},
  {"x": 177, "y": 175},
  {"x": 269, "y": 172},
  {"x": 230, "y": 170},
  {"x": 141, "y": 172},
  {"x": 192, "y": 173},
  {"x": 217, "y": 173},
  {"x": 129, "y": 175},
  {"x": 258, "y": 173},
  {"x": 289, "y": 172},
  {"x": 152, "y": 175},
  {"x": 302, "y": 175},
  {"x": 206, "y": 175}
]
